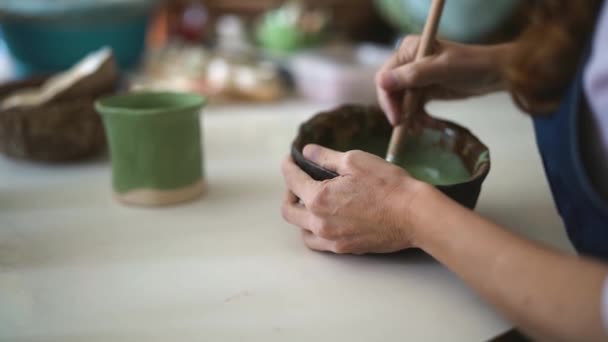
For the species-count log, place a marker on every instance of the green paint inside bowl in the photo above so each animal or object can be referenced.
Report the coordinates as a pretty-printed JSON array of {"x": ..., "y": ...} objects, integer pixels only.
[
  {"x": 435, "y": 166},
  {"x": 422, "y": 157}
]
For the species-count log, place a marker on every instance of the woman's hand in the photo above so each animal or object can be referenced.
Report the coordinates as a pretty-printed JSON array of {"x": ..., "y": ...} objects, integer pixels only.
[
  {"x": 364, "y": 210},
  {"x": 453, "y": 71}
]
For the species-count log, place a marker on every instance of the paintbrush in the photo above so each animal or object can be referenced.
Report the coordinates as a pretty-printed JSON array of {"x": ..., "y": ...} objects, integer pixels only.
[{"x": 412, "y": 104}]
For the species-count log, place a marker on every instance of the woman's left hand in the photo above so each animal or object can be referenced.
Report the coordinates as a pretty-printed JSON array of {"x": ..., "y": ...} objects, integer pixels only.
[{"x": 363, "y": 210}]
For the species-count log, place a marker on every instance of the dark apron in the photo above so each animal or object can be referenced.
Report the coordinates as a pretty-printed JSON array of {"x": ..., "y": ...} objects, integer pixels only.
[{"x": 583, "y": 211}]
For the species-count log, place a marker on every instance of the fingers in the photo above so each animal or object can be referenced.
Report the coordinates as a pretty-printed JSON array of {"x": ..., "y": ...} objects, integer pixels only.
[
  {"x": 344, "y": 163},
  {"x": 323, "y": 156},
  {"x": 408, "y": 48},
  {"x": 298, "y": 181},
  {"x": 317, "y": 243},
  {"x": 341, "y": 246},
  {"x": 400, "y": 73},
  {"x": 290, "y": 198},
  {"x": 385, "y": 99},
  {"x": 389, "y": 104},
  {"x": 294, "y": 213},
  {"x": 412, "y": 75}
]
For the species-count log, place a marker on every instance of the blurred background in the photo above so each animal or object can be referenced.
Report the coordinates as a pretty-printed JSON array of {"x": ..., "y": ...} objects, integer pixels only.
[{"x": 234, "y": 50}]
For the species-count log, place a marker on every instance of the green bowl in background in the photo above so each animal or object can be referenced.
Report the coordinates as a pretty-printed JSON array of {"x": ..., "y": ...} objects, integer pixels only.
[
  {"x": 279, "y": 30},
  {"x": 285, "y": 38}
]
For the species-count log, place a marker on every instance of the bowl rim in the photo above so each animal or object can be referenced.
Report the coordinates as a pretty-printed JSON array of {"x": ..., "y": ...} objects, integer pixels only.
[
  {"x": 479, "y": 174},
  {"x": 111, "y": 104}
]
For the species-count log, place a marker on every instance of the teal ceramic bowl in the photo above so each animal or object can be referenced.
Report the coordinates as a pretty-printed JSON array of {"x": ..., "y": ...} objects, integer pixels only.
[
  {"x": 461, "y": 20},
  {"x": 50, "y": 36}
]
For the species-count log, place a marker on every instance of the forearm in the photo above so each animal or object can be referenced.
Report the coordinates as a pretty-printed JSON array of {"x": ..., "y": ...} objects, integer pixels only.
[{"x": 546, "y": 293}]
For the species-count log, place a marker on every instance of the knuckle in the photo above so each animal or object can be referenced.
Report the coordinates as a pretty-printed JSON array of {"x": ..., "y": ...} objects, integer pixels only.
[
  {"x": 324, "y": 230},
  {"x": 351, "y": 157},
  {"x": 355, "y": 160},
  {"x": 316, "y": 205},
  {"x": 320, "y": 201}
]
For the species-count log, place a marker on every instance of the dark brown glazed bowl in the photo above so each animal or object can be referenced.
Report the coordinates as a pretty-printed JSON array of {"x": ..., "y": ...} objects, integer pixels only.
[{"x": 349, "y": 126}]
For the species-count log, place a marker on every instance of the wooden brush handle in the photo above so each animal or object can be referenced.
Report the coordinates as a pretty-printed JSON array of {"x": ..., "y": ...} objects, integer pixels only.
[{"x": 411, "y": 105}]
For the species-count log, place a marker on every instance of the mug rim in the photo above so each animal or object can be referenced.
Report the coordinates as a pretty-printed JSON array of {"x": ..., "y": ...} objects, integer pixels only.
[{"x": 109, "y": 105}]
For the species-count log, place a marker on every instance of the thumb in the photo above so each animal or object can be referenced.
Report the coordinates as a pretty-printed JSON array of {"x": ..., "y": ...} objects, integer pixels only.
[
  {"x": 412, "y": 75},
  {"x": 322, "y": 156}
]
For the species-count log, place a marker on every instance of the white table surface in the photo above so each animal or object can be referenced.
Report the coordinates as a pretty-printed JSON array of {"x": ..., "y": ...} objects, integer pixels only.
[{"x": 77, "y": 266}]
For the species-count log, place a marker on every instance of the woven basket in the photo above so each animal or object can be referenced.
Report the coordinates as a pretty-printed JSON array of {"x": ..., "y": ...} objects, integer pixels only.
[{"x": 66, "y": 128}]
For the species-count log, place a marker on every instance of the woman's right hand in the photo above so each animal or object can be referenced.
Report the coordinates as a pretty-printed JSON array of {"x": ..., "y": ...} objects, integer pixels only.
[{"x": 453, "y": 71}]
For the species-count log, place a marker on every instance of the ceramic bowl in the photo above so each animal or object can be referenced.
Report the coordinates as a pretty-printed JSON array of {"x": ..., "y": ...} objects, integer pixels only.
[
  {"x": 409, "y": 16},
  {"x": 50, "y": 36},
  {"x": 354, "y": 127}
]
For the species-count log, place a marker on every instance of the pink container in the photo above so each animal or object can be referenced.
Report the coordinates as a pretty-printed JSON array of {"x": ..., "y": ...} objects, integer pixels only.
[{"x": 339, "y": 73}]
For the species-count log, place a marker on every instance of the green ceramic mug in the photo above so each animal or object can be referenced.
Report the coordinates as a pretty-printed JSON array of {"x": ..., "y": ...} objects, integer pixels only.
[{"x": 155, "y": 146}]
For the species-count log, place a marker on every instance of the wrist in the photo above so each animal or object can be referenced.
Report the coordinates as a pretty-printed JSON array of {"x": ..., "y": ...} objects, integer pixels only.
[
  {"x": 496, "y": 59},
  {"x": 409, "y": 209}
]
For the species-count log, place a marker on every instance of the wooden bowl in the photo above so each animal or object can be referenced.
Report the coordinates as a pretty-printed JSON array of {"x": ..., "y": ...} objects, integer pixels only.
[{"x": 354, "y": 127}]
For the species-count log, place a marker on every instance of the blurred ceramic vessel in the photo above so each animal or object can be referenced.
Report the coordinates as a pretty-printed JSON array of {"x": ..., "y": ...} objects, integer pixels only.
[
  {"x": 462, "y": 20},
  {"x": 48, "y": 36}
]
